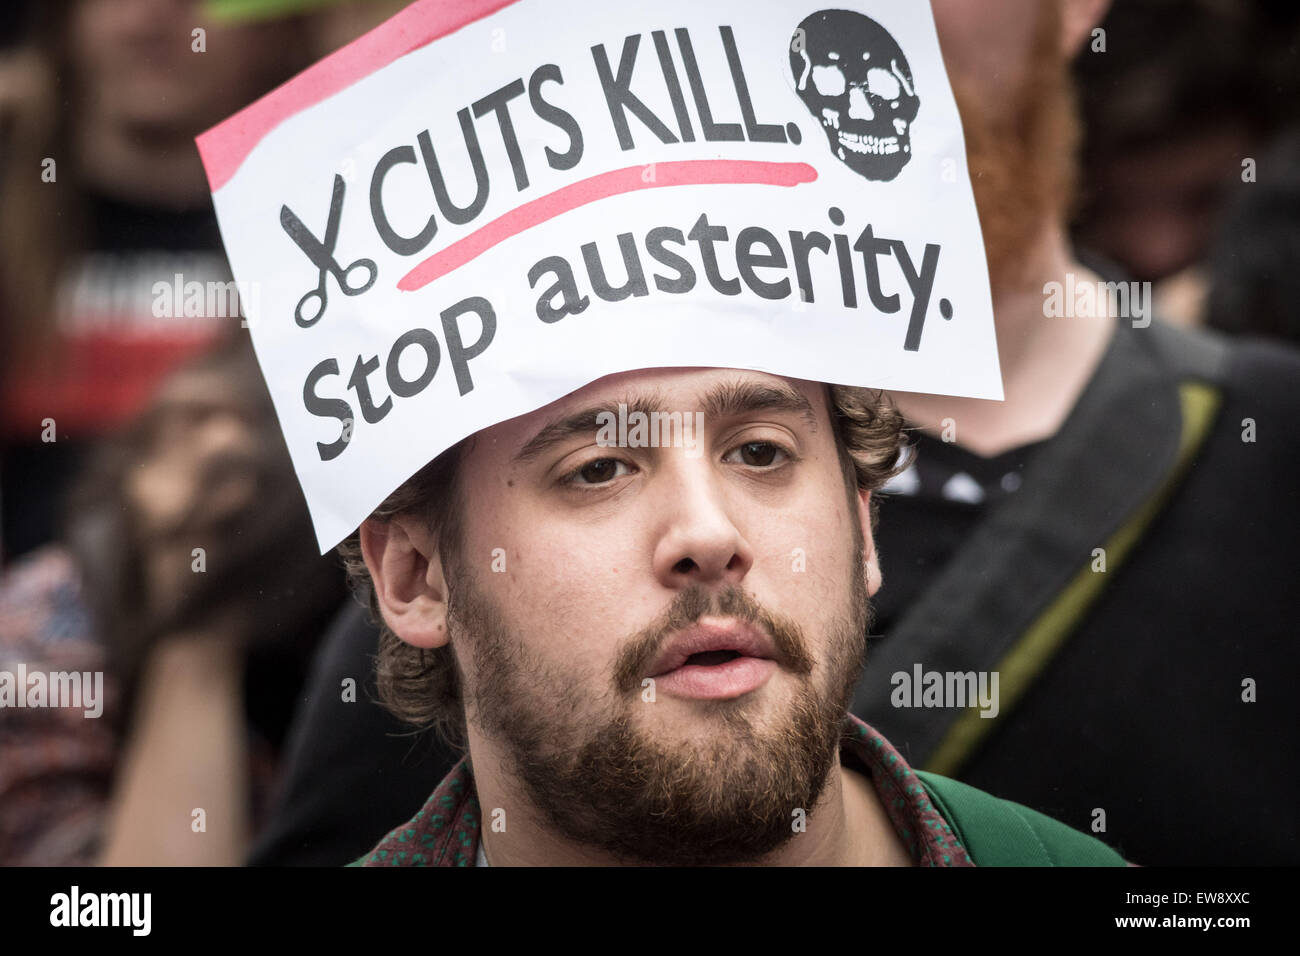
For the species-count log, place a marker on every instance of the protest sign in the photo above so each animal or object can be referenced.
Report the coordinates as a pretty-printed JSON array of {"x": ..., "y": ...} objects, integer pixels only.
[{"x": 480, "y": 207}]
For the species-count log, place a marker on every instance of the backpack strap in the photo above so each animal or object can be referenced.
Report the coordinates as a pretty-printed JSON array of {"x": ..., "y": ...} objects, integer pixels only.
[
  {"x": 1022, "y": 583},
  {"x": 1001, "y": 833}
]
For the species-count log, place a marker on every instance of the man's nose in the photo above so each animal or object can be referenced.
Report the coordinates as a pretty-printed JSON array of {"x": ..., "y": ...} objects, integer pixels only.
[{"x": 699, "y": 541}]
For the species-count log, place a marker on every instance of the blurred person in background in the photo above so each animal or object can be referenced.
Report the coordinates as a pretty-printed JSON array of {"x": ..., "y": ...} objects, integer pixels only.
[
  {"x": 104, "y": 214},
  {"x": 1183, "y": 94},
  {"x": 201, "y": 657},
  {"x": 188, "y": 576},
  {"x": 1113, "y": 540}
]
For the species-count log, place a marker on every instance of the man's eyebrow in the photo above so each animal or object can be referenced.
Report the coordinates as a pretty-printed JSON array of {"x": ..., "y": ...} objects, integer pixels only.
[
  {"x": 725, "y": 400},
  {"x": 581, "y": 422},
  {"x": 733, "y": 399}
]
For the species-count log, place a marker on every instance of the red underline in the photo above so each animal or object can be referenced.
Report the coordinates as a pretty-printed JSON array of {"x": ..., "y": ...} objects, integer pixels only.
[{"x": 697, "y": 172}]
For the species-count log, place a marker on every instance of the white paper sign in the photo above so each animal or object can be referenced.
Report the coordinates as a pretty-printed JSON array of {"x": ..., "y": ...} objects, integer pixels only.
[{"x": 480, "y": 207}]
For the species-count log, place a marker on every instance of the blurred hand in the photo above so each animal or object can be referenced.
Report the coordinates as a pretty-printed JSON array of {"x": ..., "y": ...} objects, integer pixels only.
[{"x": 197, "y": 525}]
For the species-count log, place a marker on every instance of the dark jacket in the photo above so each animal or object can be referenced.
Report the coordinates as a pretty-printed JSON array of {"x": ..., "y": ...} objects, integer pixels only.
[{"x": 1157, "y": 696}]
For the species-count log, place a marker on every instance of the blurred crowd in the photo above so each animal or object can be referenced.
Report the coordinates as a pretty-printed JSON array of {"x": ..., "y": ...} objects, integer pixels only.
[
  {"x": 152, "y": 526},
  {"x": 136, "y": 428}
]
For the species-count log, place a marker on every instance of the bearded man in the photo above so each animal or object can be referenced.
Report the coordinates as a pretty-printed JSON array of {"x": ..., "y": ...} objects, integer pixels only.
[{"x": 650, "y": 678}]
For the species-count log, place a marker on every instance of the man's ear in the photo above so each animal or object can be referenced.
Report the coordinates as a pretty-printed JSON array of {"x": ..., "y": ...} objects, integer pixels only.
[
  {"x": 1078, "y": 19},
  {"x": 407, "y": 576},
  {"x": 874, "y": 577}
]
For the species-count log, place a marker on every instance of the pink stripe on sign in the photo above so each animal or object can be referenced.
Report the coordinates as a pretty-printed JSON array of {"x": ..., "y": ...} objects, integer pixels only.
[
  {"x": 225, "y": 147},
  {"x": 698, "y": 172}
]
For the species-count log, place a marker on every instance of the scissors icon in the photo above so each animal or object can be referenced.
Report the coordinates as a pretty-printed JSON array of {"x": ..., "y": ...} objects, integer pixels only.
[{"x": 322, "y": 255}]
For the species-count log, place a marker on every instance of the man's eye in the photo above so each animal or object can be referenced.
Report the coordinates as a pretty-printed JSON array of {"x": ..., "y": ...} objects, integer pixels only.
[
  {"x": 596, "y": 472},
  {"x": 759, "y": 454}
]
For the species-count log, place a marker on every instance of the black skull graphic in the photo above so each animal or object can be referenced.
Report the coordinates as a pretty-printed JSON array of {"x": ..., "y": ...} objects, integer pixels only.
[{"x": 853, "y": 77}]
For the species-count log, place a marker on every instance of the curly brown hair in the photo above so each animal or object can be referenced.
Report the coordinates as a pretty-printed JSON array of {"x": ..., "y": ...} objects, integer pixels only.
[{"x": 422, "y": 685}]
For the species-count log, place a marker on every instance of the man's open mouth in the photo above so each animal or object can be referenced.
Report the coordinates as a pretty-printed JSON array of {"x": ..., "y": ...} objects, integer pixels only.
[
  {"x": 710, "y": 658},
  {"x": 715, "y": 661}
]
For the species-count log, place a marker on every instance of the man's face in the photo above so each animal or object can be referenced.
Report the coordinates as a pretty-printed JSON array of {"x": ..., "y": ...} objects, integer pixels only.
[{"x": 568, "y": 635}]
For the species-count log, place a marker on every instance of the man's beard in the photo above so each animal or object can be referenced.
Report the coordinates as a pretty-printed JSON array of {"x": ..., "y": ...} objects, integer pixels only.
[
  {"x": 1023, "y": 160},
  {"x": 602, "y": 781}
]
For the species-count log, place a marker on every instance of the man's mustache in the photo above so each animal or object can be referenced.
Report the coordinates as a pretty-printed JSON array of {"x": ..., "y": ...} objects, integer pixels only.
[{"x": 696, "y": 602}]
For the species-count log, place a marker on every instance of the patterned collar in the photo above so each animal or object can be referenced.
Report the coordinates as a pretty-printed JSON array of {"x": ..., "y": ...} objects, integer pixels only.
[{"x": 446, "y": 830}]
